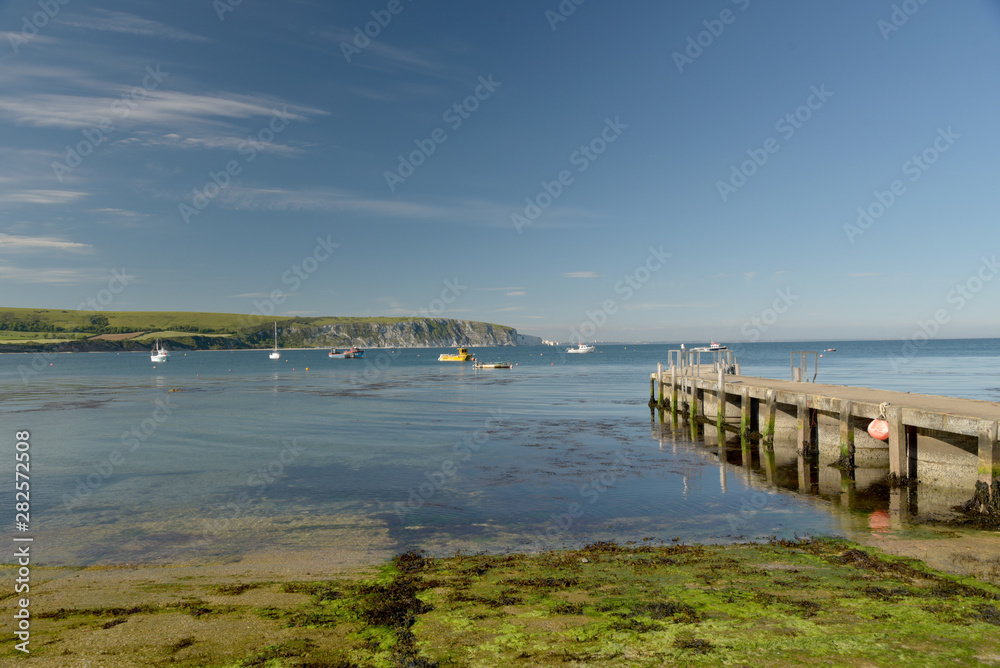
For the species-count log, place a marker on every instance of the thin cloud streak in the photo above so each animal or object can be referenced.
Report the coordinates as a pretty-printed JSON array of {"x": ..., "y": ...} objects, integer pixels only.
[{"x": 121, "y": 22}]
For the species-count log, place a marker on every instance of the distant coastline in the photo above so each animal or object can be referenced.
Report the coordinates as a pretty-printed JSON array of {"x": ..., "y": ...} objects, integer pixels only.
[{"x": 52, "y": 330}]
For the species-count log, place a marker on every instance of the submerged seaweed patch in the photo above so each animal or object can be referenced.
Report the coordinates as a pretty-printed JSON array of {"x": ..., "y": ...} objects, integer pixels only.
[{"x": 792, "y": 602}]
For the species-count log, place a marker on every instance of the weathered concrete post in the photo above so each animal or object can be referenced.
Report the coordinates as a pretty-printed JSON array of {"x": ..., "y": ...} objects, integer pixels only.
[
  {"x": 798, "y": 374},
  {"x": 659, "y": 379},
  {"x": 801, "y": 424},
  {"x": 989, "y": 461},
  {"x": 720, "y": 400},
  {"x": 673, "y": 394},
  {"x": 745, "y": 414},
  {"x": 846, "y": 432},
  {"x": 771, "y": 408},
  {"x": 899, "y": 462}
]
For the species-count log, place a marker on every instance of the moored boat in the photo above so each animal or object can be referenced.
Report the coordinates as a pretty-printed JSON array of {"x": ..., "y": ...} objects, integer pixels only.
[
  {"x": 351, "y": 353},
  {"x": 275, "y": 355},
  {"x": 462, "y": 356},
  {"x": 581, "y": 348},
  {"x": 158, "y": 353},
  {"x": 711, "y": 347},
  {"x": 493, "y": 365}
]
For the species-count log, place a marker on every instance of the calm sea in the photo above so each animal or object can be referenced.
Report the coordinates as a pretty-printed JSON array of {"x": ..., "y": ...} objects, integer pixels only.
[{"x": 219, "y": 454}]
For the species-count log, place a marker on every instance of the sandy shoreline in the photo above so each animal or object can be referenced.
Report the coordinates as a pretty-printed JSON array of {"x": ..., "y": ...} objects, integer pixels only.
[{"x": 214, "y": 613}]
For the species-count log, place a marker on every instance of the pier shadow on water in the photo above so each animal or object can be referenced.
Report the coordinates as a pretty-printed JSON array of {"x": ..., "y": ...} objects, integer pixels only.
[{"x": 869, "y": 496}]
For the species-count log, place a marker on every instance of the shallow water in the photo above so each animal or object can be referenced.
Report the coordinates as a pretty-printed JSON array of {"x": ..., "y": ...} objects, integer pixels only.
[{"x": 220, "y": 453}]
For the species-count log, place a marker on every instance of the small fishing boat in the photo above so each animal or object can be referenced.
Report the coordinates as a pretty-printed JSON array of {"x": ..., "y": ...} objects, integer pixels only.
[
  {"x": 275, "y": 355},
  {"x": 711, "y": 347},
  {"x": 462, "y": 356},
  {"x": 351, "y": 353},
  {"x": 493, "y": 365},
  {"x": 581, "y": 348},
  {"x": 158, "y": 353}
]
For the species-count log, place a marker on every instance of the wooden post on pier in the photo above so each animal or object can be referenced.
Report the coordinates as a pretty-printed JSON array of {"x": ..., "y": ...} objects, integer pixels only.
[
  {"x": 899, "y": 462},
  {"x": 989, "y": 453},
  {"x": 846, "y": 432},
  {"x": 673, "y": 394},
  {"x": 652, "y": 393},
  {"x": 771, "y": 408},
  {"x": 720, "y": 400},
  {"x": 802, "y": 430}
]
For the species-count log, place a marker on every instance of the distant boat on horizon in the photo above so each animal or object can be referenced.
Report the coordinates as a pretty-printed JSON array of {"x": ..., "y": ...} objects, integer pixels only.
[{"x": 581, "y": 348}]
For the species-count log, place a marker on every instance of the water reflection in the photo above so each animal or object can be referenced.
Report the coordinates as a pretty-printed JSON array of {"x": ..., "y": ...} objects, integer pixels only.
[{"x": 864, "y": 492}]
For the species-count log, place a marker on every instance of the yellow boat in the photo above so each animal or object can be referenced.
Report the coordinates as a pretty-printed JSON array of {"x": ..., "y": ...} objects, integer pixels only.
[{"x": 462, "y": 356}]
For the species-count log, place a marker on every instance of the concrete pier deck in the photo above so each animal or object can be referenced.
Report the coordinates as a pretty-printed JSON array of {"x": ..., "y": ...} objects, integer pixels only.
[{"x": 952, "y": 441}]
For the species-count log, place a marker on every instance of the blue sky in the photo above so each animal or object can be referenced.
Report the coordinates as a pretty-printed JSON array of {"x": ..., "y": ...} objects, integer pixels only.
[{"x": 629, "y": 171}]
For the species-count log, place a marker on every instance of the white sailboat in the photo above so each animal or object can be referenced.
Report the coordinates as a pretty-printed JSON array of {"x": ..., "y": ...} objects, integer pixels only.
[
  {"x": 158, "y": 353},
  {"x": 274, "y": 353}
]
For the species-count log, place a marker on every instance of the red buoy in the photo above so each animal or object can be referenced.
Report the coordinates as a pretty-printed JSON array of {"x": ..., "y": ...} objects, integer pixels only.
[{"x": 879, "y": 429}]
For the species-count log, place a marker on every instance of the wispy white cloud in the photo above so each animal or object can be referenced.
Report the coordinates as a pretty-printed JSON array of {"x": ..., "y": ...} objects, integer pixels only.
[
  {"x": 112, "y": 21},
  {"x": 749, "y": 275},
  {"x": 41, "y": 197},
  {"x": 39, "y": 275},
  {"x": 581, "y": 274},
  {"x": 864, "y": 274},
  {"x": 156, "y": 108},
  {"x": 515, "y": 293},
  {"x": 655, "y": 307},
  {"x": 13, "y": 242}
]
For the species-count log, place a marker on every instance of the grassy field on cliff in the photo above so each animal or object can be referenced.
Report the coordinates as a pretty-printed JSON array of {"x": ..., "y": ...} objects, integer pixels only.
[{"x": 44, "y": 326}]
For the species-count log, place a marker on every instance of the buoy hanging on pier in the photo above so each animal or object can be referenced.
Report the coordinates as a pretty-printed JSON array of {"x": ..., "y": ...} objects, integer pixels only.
[{"x": 879, "y": 428}]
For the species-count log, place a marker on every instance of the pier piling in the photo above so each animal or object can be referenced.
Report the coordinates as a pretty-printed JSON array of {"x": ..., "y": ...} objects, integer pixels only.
[{"x": 959, "y": 438}]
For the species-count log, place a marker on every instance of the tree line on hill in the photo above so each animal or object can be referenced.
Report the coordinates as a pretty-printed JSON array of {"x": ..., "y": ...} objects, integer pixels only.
[{"x": 98, "y": 324}]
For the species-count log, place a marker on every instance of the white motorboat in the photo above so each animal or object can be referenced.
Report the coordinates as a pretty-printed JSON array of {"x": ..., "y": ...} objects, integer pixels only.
[
  {"x": 158, "y": 353},
  {"x": 711, "y": 347},
  {"x": 275, "y": 355},
  {"x": 581, "y": 348}
]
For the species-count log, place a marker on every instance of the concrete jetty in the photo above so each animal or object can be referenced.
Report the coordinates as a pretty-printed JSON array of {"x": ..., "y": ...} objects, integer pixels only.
[{"x": 941, "y": 441}]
